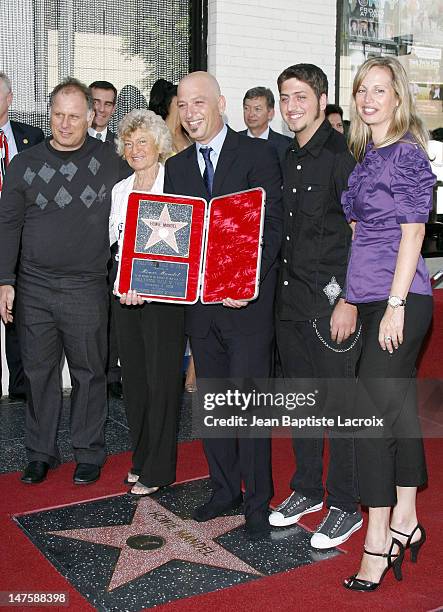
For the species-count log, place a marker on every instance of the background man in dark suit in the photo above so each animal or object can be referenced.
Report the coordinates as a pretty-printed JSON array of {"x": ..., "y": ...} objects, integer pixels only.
[
  {"x": 233, "y": 339},
  {"x": 258, "y": 112},
  {"x": 104, "y": 95},
  {"x": 19, "y": 136}
]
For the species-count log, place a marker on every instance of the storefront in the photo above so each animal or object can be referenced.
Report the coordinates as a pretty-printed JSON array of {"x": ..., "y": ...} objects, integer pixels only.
[{"x": 409, "y": 29}]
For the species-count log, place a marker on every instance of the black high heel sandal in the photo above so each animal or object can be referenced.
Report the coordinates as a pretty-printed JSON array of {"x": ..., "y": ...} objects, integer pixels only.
[
  {"x": 357, "y": 584},
  {"x": 414, "y": 546}
]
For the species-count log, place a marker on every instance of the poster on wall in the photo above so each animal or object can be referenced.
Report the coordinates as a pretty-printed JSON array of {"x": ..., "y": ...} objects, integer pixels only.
[{"x": 409, "y": 29}]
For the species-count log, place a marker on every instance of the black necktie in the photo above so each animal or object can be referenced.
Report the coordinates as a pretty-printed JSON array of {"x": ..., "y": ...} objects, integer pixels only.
[
  {"x": 208, "y": 174},
  {"x": 98, "y": 136}
]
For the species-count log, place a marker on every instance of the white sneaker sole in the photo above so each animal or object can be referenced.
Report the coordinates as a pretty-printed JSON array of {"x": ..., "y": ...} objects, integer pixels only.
[
  {"x": 324, "y": 543},
  {"x": 276, "y": 519}
]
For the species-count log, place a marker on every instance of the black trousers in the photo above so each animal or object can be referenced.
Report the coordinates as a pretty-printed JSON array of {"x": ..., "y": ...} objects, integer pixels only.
[
  {"x": 151, "y": 345},
  {"x": 13, "y": 358},
  {"x": 397, "y": 458},
  {"x": 224, "y": 354},
  {"x": 303, "y": 355},
  {"x": 113, "y": 370},
  {"x": 70, "y": 315}
]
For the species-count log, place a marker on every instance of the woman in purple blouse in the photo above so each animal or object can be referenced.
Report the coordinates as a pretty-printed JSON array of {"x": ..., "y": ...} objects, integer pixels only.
[{"x": 388, "y": 201}]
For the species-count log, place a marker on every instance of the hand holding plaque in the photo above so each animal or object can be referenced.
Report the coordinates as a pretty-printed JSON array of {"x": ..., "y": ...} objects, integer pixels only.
[{"x": 180, "y": 249}]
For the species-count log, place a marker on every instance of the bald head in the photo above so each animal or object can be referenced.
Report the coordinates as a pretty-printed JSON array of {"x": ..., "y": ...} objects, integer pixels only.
[
  {"x": 201, "y": 106},
  {"x": 201, "y": 79}
]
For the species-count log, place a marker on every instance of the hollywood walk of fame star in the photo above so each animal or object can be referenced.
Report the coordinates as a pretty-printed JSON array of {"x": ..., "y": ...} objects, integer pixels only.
[
  {"x": 163, "y": 229},
  {"x": 164, "y": 537}
]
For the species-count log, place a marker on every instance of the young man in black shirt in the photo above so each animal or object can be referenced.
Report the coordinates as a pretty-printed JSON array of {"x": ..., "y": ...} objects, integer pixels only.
[
  {"x": 56, "y": 199},
  {"x": 316, "y": 328}
]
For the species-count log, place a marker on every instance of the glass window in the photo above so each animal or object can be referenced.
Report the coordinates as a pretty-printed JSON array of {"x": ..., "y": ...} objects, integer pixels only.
[
  {"x": 130, "y": 44},
  {"x": 409, "y": 29}
]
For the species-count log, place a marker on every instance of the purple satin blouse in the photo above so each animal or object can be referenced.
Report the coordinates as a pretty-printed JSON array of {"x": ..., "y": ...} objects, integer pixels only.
[{"x": 392, "y": 185}]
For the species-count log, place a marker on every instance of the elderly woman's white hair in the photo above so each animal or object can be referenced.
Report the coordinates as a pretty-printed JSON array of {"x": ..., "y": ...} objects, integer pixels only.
[{"x": 144, "y": 119}]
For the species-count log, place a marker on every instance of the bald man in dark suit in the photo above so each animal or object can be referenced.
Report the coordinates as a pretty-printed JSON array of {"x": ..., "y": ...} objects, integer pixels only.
[{"x": 234, "y": 339}]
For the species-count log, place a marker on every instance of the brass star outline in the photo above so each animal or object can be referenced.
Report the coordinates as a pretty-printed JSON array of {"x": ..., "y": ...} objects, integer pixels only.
[
  {"x": 163, "y": 229},
  {"x": 185, "y": 540}
]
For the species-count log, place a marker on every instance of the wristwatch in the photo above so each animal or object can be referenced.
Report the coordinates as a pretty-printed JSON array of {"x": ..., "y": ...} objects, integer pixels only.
[{"x": 394, "y": 301}]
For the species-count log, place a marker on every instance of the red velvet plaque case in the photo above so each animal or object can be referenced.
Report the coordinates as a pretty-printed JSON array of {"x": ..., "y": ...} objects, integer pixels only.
[{"x": 166, "y": 239}]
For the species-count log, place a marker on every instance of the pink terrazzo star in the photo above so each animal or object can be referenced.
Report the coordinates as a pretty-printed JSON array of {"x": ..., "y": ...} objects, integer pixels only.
[{"x": 176, "y": 538}]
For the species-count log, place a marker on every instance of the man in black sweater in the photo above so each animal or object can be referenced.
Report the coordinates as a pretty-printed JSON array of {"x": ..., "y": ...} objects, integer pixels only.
[{"x": 57, "y": 199}]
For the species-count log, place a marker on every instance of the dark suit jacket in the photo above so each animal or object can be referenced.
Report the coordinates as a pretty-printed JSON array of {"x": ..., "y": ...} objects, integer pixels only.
[
  {"x": 244, "y": 163},
  {"x": 110, "y": 137},
  {"x": 25, "y": 135},
  {"x": 279, "y": 141}
]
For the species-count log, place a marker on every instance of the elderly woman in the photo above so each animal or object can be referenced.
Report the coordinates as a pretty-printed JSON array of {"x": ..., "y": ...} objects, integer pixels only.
[
  {"x": 150, "y": 335},
  {"x": 388, "y": 200}
]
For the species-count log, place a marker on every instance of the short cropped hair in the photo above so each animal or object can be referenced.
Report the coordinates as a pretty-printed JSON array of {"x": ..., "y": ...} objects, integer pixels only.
[
  {"x": 104, "y": 85},
  {"x": 69, "y": 85},
  {"x": 144, "y": 119},
  {"x": 261, "y": 92},
  {"x": 6, "y": 81},
  {"x": 333, "y": 108},
  {"x": 308, "y": 73}
]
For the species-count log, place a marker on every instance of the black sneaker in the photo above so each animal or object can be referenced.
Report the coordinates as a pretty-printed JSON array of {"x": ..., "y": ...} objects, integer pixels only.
[
  {"x": 336, "y": 528},
  {"x": 292, "y": 509}
]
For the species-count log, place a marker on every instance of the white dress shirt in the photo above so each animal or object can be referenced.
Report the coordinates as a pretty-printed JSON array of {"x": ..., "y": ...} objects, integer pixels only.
[
  {"x": 94, "y": 133},
  {"x": 263, "y": 136}
]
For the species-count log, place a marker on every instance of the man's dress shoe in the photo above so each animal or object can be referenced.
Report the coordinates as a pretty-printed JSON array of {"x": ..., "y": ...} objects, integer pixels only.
[
  {"x": 213, "y": 509},
  {"x": 86, "y": 473},
  {"x": 35, "y": 472},
  {"x": 115, "y": 389}
]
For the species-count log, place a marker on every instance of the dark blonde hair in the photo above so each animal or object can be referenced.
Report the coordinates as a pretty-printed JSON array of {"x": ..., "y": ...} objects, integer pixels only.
[{"x": 405, "y": 118}]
